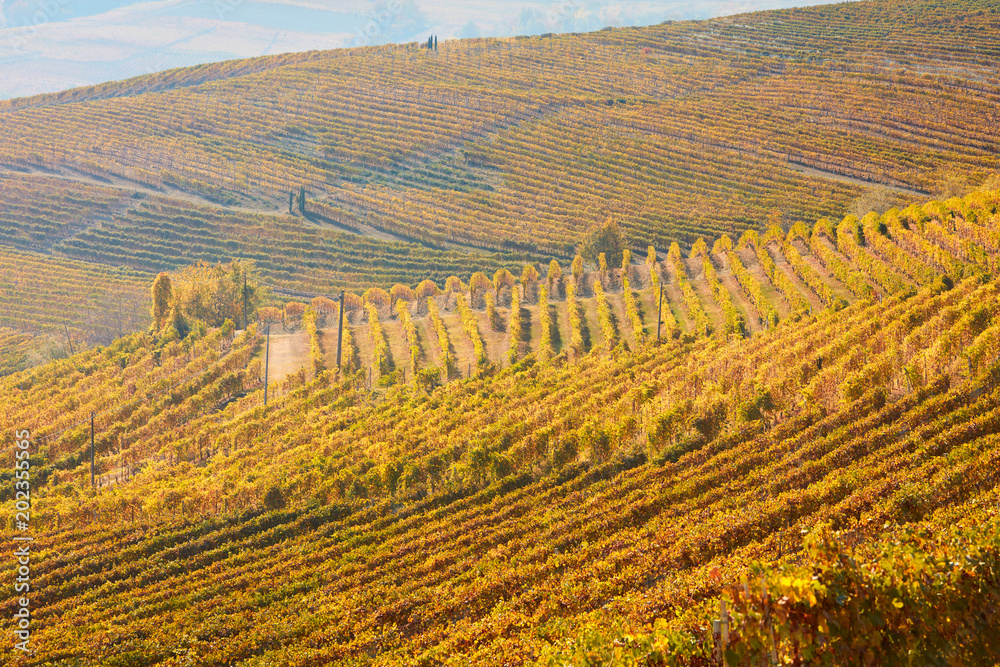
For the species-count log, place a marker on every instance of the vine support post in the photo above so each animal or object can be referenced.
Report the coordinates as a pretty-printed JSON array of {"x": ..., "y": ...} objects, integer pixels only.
[
  {"x": 267, "y": 358},
  {"x": 69, "y": 341},
  {"x": 659, "y": 313},
  {"x": 340, "y": 329},
  {"x": 92, "y": 485},
  {"x": 245, "y": 323}
]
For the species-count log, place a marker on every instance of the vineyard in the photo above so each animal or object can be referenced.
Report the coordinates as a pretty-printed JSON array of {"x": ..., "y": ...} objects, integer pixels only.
[
  {"x": 370, "y": 167},
  {"x": 576, "y": 492},
  {"x": 682, "y": 129},
  {"x": 765, "y": 430},
  {"x": 84, "y": 254}
]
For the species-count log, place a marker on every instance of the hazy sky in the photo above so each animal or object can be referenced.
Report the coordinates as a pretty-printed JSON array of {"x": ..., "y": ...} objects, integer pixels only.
[{"x": 50, "y": 45}]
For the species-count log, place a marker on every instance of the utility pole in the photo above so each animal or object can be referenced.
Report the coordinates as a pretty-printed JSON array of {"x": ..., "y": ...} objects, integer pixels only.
[
  {"x": 92, "y": 450},
  {"x": 267, "y": 358},
  {"x": 659, "y": 313},
  {"x": 340, "y": 329}
]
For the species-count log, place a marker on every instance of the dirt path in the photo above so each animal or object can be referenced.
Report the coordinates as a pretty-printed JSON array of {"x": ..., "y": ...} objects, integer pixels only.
[
  {"x": 560, "y": 326},
  {"x": 398, "y": 347},
  {"x": 754, "y": 320},
  {"x": 495, "y": 341},
  {"x": 532, "y": 327},
  {"x": 704, "y": 292},
  {"x": 838, "y": 288},
  {"x": 781, "y": 264},
  {"x": 428, "y": 342},
  {"x": 592, "y": 323},
  {"x": 833, "y": 176},
  {"x": 622, "y": 322},
  {"x": 461, "y": 344},
  {"x": 363, "y": 342},
  {"x": 119, "y": 183},
  {"x": 771, "y": 293},
  {"x": 674, "y": 299},
  {"x": 287, "y": 354}
]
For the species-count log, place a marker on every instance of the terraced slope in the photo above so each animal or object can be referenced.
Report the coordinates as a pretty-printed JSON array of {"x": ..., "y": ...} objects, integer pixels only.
[
  {"x": 90, "y": 303},
  {"x": 519, "y": 515},
  {"x": 681, "y": 129},
  {"x": 413, "y": 162},
  {"x": 736, "y": 289}
]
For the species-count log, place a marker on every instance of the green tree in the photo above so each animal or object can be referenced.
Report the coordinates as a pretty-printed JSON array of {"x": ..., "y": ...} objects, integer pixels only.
[
  {"x": 607, "y": 238},
  {"x": 162, "y": 293},
  {"x": 302, "y": 199},
  {"x": 179, "y": 322},
  {"x": 213, "y": 293}
]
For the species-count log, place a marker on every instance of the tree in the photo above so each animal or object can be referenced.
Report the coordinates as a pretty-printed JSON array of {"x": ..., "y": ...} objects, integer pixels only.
[
  {"x": 607, "y": 239},
  {"x": 529, "y": 280},
  {"x": 294, "y": 309},
  {"x": 212, "y": 293},
  {"x": 162, "y": 293},
  {"x": 291, "y": 201},
  {"x": 179, "y": 323},
  {"x": 377, "y": 296},
  {"x": 302, "y": 199},
  {"x": 529, "y": 274}
]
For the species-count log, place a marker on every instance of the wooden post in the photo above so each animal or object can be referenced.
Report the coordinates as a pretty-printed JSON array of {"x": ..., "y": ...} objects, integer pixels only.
[
  {"x": 69, "y": 341},
  {"x": 340, "y": 329},
  {"x": 267, "y": 358},
  {"x": 245, "y": 323},
  {"x": 91, "y": 450},
  {"x": 659, "y": 313}
]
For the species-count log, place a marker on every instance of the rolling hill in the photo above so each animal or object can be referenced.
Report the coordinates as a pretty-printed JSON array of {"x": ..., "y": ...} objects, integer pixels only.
[
  {"x": 680, "y": 130},
  {"x": 767, "y": 436},
  {"x": 558, "y": 506}
]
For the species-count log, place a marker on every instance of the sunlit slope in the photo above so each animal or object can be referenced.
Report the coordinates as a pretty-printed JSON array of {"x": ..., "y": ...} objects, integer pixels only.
[
  {"x": 489, "y": 519},
  {"x": 82, "y": 254},
  {"x": 678, "y": 130}
]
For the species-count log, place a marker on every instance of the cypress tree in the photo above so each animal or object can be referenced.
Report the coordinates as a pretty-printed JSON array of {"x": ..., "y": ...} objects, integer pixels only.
[
  {"x": 162, "y": 291},
  {"x": 302, "y": 200}
]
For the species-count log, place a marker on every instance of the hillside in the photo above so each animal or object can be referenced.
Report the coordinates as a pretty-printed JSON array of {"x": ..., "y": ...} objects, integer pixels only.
[
  {"x": 567, "y": 506},
  {"x": 414, "y": 162},
  {"x": 683, "y": 129}
]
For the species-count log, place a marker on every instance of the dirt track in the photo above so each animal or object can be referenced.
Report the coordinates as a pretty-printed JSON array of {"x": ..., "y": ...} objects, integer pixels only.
[{"x": 288, "y": 353}]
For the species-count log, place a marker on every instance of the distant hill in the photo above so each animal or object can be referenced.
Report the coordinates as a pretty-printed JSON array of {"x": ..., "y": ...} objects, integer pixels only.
[{"x": 50, "y": 46}]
